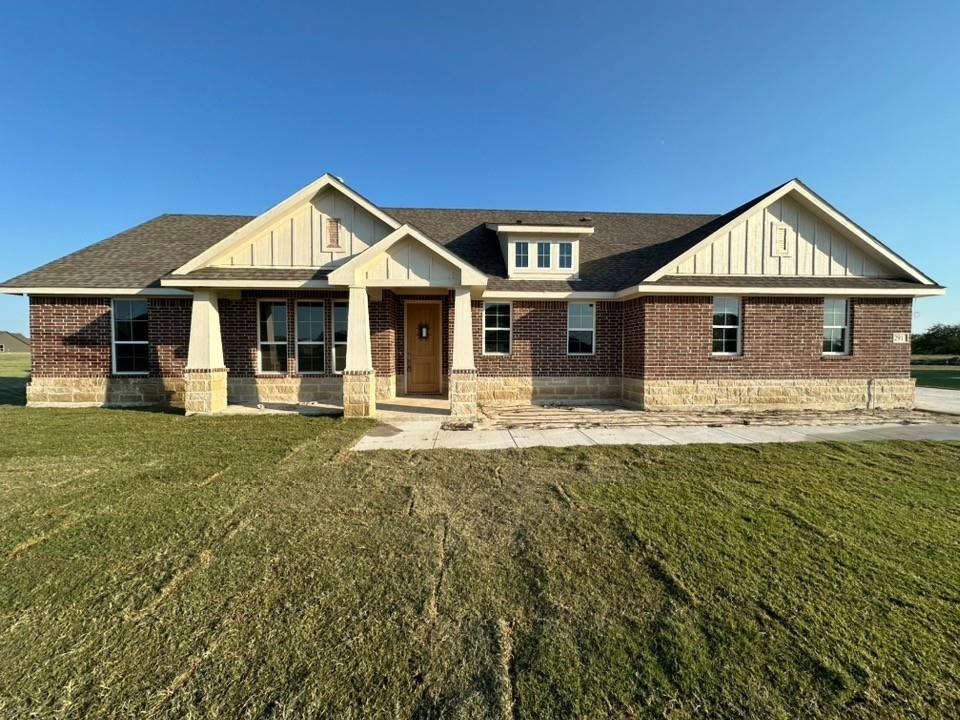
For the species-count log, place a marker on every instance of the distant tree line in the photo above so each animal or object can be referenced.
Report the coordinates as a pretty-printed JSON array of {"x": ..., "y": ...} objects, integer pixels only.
[{"x": 938, "y": 340}]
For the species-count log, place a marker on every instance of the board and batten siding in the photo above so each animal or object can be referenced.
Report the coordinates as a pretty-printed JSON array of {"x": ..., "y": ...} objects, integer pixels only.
[
  {"x": 409, "y": 262},
  {"x": 300, "y": 238},
  {"x": 816, "y": 247}
]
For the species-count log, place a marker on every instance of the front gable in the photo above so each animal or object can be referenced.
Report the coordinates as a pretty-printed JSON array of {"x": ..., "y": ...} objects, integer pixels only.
[
  {"x": 317, "y": 226},
  {"x": 791, "y": 233}
]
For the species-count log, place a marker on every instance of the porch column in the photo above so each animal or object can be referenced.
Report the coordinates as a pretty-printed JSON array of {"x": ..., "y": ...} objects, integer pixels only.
[
  {"x": 359, "y": 379},
  {"x": 205, "y": 377},
  {"x": 463, "y": 373}
]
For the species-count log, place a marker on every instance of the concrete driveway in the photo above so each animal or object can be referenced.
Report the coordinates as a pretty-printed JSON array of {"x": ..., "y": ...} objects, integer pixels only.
[{"x": 938, "y": 400}]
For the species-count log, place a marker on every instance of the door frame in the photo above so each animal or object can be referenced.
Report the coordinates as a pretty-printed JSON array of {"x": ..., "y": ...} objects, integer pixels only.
[{"x": 406, "y": 348}]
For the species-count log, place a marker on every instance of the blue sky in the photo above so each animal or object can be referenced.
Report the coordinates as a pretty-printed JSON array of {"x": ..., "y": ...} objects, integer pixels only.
[{"x": 115, "y": 113}]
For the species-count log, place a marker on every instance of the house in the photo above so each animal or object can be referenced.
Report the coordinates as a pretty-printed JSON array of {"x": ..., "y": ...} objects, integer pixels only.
[
  {"x": 11, "y": 342},
  {"x": 783, "y": 302}
]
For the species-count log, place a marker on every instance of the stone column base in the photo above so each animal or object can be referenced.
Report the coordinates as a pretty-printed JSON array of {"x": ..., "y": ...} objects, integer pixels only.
[
  {"x": 463, "y": 394},
  {"x": 359, "y": 393},
  {"x": 204, "y": 391}
]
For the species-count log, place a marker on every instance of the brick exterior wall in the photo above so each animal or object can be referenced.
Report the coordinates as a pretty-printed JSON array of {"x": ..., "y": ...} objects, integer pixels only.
[
  {"x": 539, "y": 342},
  {"x": 71, "y": 336},
  {"x": 782, "y": 338},
  {"x": 653, "y": 338}
]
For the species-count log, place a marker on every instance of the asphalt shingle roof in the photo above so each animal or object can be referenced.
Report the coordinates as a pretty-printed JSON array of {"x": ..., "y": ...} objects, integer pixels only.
[{"x": 623, "y": 249}]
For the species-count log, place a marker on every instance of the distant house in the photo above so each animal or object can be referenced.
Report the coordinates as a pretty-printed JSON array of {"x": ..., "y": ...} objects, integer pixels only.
[
  {"x": 11, "y": 342},
  {"x": 782, "y": 302}
]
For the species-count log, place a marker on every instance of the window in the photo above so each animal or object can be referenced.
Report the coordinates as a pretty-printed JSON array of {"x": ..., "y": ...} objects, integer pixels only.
[
  {"x": 272, "y": 336},
  {"x": 131, "y": 345},
  {"x": 836, "y": 339},
  {"x": 543, "y": 254},
  {"x": 726, "y": 326},
  {"x": 496, "y": 328},
  {"x": 522, "y": 256},
  {"x": 580, "y": 328},
  {"x": 333, "y": 233},
  {"x": 566, "y": 255},
  {"x": 310, "y": 337},
  {"x": 340, "y": 316}
]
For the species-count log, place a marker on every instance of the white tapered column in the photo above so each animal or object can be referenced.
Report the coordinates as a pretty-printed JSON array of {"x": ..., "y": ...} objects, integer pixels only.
[
  {"x": 205, "y": 377},
  {"x": 359, "y": 379},
  {"x": 463, "y": 373}
]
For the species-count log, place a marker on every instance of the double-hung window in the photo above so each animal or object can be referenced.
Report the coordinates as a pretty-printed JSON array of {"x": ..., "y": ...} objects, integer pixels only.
[
  {"x": 521, "y": 258},
  {"x": 836, "y": 331},
  {"x": 581, "y": 328},
  {"x": 131, "y": 344},
  {"x": 566, "y": 255},
  {"x": 340, "y": 316},
  {"x": 310, "y": 337},
  {"x": 726, "y": 326},
  {"x": 496, "y": 328},
  {"x": 272, "y": 336},
  {"x": 543, "y": 254}
]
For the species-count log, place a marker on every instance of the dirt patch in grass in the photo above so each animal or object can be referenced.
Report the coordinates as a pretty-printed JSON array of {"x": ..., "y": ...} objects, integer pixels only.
[{"x": 248, "y": 567}]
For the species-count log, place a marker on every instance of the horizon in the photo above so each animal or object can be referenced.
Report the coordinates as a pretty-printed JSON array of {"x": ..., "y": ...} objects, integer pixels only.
[{"x": 662, "y": 111}]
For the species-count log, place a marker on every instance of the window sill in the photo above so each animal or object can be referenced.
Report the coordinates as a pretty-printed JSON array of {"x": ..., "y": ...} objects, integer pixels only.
[
  {"x": 726, "y": 357},
  {"x": 145, "y": 373},
  {"x": 837, "y": 356}
]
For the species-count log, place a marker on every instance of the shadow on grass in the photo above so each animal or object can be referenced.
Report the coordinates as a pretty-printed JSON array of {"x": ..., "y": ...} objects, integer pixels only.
[{"x": 13, "y": 390}]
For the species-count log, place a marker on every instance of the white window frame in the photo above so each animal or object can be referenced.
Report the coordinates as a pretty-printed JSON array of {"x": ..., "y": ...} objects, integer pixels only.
[
  {"x": 526, "y": 254},
  {"x": 738, "y": 326},
  {"x": 296, "y": 335},
  {"x": 333, "y": 336},
  {"x": 560, "y": 247},
  {"x": 260, "y": 370},
  {"x": 114, "y": 342},
  {"x": 483, "y": 332},
  {"x": 549, "y": 245},
  {"x": 845, "y": 326},
  {"x": 592, "y": 328}
]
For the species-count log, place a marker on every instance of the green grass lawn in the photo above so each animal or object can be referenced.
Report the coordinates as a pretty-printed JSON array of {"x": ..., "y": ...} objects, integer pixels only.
[
  {"x": 937, "y": 376},
  {"x": 153, "y": 565},
  {"x": 14, "y": 372}
]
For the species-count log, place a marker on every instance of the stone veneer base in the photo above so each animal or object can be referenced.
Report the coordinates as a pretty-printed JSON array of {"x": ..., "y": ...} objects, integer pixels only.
[
  {"x": 359, "y": 393},
  {"x": 285, "y": 390},
  {"x": 507, "y": 388},
  {"x": 100, "y": 391},
  {"x": 205, "y": 391},
  {"x": 463, "y": 394},
  {"x": 787, "y": 394},
  {"x": 386, "y": 387}
]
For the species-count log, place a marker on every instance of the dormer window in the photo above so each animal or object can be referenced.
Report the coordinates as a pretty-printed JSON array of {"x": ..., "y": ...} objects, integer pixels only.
[
  {"x": 523, "y": 255},
  {"x": 543, "y": 254},
  {"x": 566, "y": 255}
]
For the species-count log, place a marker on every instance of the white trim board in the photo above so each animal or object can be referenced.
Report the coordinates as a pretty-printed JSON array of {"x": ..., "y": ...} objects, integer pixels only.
[{"x": 146, "y": 292}]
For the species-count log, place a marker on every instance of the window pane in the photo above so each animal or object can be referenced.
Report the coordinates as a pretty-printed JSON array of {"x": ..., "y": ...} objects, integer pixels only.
[
  {"x": 522, "y": 258},
  {"x": 496, "y": 341},
  {"x": 566, "y": 255},
  {"x": 310, "y": 358},
  {"x": 138, "y": 310},
  {"x": 497, "y": 315},
  {"x": 340, "y": 313},
  {"x": 580, "y": 316},
  {"x": 726, "y": 311},
  {"x": 834, "y": 340},
  {"x": 273, "y": 358},
  {"x": 273, "y": 322},
  {"x": 310, "y": 322},
  {"x": 132, "y": 358},
  {"x": 543, "y": 255},
  {"x": 339, "y": 357},
  {"x": 725, "y": 340},
  {"x": 580, "y": 341}
]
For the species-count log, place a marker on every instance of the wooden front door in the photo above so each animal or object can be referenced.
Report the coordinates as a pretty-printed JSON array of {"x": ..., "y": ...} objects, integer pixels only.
[{"x": 423, "y": 330}]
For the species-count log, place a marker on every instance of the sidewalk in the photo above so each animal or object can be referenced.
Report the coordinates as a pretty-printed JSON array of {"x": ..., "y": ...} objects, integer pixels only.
[{"x": 426, "y": 434}]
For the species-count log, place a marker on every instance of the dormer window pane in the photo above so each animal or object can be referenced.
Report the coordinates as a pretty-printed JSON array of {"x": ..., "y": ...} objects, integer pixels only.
[
  {"x": 543, "y": 254},
  {"x": 522, "y": 258},
  {"x": 566, "y": 255}
]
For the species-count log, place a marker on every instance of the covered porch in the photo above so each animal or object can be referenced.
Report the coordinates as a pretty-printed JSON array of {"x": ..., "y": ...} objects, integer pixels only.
[{"x": 390, "y": 326}]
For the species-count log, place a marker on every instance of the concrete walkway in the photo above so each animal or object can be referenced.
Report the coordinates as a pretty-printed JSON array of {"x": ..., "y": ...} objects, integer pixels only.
[
  {"x": 938, "y": 400},
  {"x": 426, "y": 434}
]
